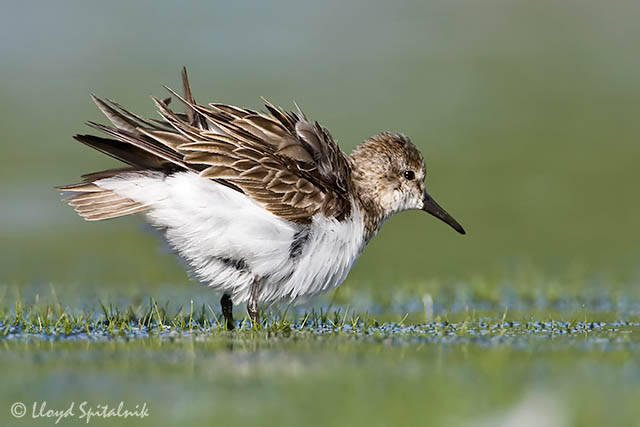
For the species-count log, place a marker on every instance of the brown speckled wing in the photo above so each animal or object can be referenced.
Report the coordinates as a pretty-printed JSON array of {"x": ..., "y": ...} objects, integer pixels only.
[{"x": 282, "y": 160}]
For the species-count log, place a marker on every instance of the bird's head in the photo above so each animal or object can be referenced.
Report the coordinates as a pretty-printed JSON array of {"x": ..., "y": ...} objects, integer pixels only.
[{"x": 389, "y": 173}]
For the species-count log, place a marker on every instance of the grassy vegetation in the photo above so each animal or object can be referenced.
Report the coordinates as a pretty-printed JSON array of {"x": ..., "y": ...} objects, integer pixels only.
[{"x": 53, "y": 321}]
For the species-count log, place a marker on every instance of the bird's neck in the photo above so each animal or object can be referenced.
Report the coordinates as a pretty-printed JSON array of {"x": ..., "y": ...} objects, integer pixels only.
[{"x": 368, "y": 202}]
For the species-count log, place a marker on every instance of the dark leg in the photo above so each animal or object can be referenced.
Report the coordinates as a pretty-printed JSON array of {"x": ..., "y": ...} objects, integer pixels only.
[
  {"x": 227, "y": 311},
  {"x": 252, "y": 305}
]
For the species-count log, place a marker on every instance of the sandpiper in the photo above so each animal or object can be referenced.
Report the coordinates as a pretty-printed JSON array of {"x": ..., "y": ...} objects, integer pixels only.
[{"x": 262, "y": 206}]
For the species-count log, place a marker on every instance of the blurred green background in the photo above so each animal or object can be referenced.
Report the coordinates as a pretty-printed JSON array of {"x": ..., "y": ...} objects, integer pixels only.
[{"x": 527, "y": 113}]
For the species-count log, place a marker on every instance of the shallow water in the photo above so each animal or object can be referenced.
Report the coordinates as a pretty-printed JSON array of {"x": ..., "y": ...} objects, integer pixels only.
[
  {"x": 327, "y": 369},
  {"x": 474, "y": 361}
]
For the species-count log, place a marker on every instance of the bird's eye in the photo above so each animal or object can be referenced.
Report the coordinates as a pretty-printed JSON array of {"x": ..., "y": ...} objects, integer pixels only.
[{"x": 410, "y": 175}]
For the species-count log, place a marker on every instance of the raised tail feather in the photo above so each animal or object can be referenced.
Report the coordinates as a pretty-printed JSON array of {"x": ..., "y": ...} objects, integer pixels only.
[
  {"x": 94, "y": 203},
  {"x": 139, "y": 142}
]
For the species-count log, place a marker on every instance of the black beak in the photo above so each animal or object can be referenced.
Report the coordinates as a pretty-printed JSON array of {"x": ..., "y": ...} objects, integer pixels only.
[{"x": 436, "y": 210}]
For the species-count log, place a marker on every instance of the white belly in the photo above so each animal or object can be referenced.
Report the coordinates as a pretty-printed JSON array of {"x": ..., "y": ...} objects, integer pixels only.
[{"x": 227, "y": 239}]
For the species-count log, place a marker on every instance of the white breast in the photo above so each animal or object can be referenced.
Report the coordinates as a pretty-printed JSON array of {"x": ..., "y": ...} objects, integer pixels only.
[
  {"x": 227, "y": 239},
  {"x": 326, "y": 258}
]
